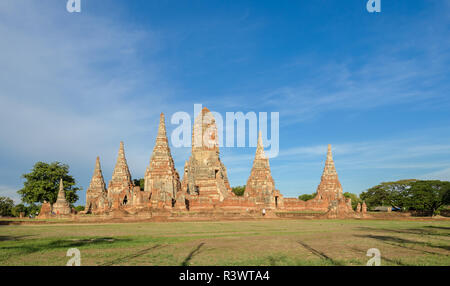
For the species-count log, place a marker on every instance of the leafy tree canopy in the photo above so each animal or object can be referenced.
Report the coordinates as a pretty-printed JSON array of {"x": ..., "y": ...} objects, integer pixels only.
[
  {"x": 239, "y": 190},
  {"x": 31, "y": 209},
  {"x": 307, "y": 197},
  {"x": 42, "y": 183},
  {"x": 6, "y": 206},
  {"x": 139, "y": 182},
  {"x": 387, "y": 194},
  {"x": 426, "y": 197},
  {"x": 79, "y": 208}
]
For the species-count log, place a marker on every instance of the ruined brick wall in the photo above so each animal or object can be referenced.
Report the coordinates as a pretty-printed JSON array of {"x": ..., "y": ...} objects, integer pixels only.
[{"x": 46, "y": 210}]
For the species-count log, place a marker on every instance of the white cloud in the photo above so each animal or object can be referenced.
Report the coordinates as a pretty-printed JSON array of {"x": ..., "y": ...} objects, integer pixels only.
[{"x": 72, "y": 86}]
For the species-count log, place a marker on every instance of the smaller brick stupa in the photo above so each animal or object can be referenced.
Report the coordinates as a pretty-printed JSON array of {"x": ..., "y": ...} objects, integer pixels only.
[
  {"x": 260, "y": 184},
  {"x": 330, "y": 190},
  {"x": 61, "y": 206}
]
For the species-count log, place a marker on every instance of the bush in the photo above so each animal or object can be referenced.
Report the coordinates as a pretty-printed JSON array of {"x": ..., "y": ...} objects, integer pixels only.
[
  {"x": 239, "y": 190},
  {"x": 27, "y": 210},
  {"x": 307, "y": 197},
  {"x": 6, "y": 206}
]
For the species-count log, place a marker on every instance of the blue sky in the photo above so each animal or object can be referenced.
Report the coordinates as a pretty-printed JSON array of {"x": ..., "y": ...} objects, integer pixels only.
[{"x": 375, "y": 86}]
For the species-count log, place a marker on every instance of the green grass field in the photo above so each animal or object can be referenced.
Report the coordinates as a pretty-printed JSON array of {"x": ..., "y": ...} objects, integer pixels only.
[{"x": 271, "y": 242}]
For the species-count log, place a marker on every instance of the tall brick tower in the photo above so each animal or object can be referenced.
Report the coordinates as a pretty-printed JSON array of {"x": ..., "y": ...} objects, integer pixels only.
[
  {"x": 205, "y": 176},
  {"x": 162, "y": 181}
]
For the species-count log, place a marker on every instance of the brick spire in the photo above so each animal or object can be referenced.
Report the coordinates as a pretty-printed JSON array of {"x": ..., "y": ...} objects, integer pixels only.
[
  {"x": 330, "y": 169},
  {"x": 329, "y": 188},
  {"x": 61, "y": 206},
  {"x": 161, "y": 178},
  {"x": 260, "y": 148},
  {"x": 205, "y": 175},
  {"x": 97, "y": 187},
  {"x": 121, "y": 177},
  {"x": 61, "y": 193},
  {"x": 260, "y": 184},
  {"x": 97, "y": 181},
  {"x": 204, "y": 133},
  {"x": 162, "y": 127},
  {"x": 162, "y": 143}
]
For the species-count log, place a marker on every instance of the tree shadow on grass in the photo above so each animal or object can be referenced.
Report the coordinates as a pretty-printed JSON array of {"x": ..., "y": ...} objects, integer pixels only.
[
  {"x": 438, "y": 227},
  {"x": 14, "y": 238},
  {"x": 392, "y": 239},
  {"x": 319, "y": 254},
  {"x": 131, "y": 256},
  {"x": 192, "y": 254},
  {"x": 416, "y": 231},
  {"x": 32, "y": 246}
]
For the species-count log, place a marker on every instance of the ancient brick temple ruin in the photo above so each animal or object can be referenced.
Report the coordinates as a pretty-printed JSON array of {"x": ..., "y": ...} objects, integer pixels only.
[
  {"x": 162, "y": 181},
  {"x": 260, "y": 188},
  {"x": 61, "y": 206},
  {"x": 205, "y": 183},
  {"x": 96, "y": 194},
  {"x": 204, "y": 188}
]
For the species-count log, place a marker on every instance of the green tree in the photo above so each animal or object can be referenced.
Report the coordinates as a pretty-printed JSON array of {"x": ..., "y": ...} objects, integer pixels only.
[
  {"x": 20, "y": 208},
  {"x": 6, "y": 206},
  {"x": 42, "y": 183},
  {"x": 139, "y": 182},
  {"x": 31, "y": 209},
  {"x": 355, "y": 199},
  {"x": 387, "y": 194},
  {"x": 428, "y": 196},
  {"x": 239, "y": 190},
  {"x": 307, "y": 197},
  {"x": 79, "y": 208}
]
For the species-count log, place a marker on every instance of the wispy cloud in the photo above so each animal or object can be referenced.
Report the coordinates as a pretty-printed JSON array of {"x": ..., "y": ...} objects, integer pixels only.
[{"x": 69, "y": 86}]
